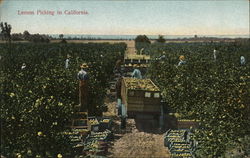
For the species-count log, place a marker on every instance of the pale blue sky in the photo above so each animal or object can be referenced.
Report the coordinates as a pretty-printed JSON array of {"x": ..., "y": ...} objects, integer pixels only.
[{"x": 211, "y": 17}]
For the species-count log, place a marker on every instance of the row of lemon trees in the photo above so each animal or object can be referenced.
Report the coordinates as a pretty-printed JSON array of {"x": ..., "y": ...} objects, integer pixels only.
[
  {"x": 37, "y": 101},
  {"x": 216, "y": 92}
]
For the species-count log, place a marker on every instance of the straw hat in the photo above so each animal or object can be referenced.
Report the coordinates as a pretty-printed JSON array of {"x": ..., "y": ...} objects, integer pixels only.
[
  {"x": 84, "y": 65},
  {"x": 182, "y": 57}
]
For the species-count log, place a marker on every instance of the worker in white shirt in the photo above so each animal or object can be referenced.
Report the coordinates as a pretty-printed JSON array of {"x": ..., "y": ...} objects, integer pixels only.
[
  {"x": 23, "y": 66},
  {"x": 242, "y": 60},
  {"x": 67, "y": 62},
  {"x": 141, "y": 50},
  {"x": 215, "y": 53}
]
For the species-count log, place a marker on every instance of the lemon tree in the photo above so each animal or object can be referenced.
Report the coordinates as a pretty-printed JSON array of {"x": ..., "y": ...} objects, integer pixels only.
[
  {"x": 216, "y": 92},
  {"x": 37, "y": 101}
]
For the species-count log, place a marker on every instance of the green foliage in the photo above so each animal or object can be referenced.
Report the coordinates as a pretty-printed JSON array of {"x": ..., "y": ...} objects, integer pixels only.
[
  {"x": 61, "y": 36},
  {"x": 214, "y": 92},
  {"x": 6, "y": 30},
  {"x": 142, "y": 38},
  {"x": 37, "y": 102},
  {"x": 141, "y": 41},
  {"x": 161, "y": 39}
]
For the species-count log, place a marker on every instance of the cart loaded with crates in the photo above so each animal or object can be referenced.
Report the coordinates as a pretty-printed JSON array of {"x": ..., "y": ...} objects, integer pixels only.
[
  {"x": 140, "y": 96},
  {"x": 135, "y": 61}
]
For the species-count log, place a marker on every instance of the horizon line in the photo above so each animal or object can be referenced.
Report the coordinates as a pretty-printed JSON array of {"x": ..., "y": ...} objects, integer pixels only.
[{"x": 147, "y": 34}]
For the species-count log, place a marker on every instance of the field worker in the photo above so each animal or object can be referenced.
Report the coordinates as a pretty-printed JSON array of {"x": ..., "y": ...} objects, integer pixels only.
[
  {"x": 23, "y": 66},
  {"x": 141, "y": 50},
  {"x": 82, "y": 76},
  {"x": 118, "y": 65},
  {"x": 182, "y": 60},
  {"x": 67, "y": 62},
  {"x": 118, "y": 87},
  {"x": 163, "y": 57},
  {"x": 137, "y": 74},
  {"x": 215, "y": 55},
  {"x": 242, "y": 60},
  {"x": 123, "y": 116}
]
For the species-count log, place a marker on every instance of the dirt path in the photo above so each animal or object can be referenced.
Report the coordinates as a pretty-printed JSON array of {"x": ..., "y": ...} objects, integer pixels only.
[
  {"x": 131, "y": 50},
  {"x": 133, "y": 143}
]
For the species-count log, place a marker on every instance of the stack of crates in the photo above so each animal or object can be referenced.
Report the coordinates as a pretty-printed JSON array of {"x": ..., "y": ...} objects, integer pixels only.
[
  {"x": 97, "y": 143},
  {"x": 98, "y": 140},
  {"x": 76, "y": 137},
  {"x": 178, "y": 143},
  {"x": 79, "y": 131}
]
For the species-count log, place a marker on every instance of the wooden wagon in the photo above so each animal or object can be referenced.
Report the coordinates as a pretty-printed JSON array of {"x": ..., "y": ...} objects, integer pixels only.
[{"x": 140, "y": 96}]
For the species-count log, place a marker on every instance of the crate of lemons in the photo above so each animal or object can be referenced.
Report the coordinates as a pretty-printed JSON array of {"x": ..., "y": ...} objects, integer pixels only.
[
  {"x": 136, "y": 65},
  {"x": 93, "y": 124},
  {"x": 77, "y": 136},
  {"x": 140, "y": 84},
  {"x": 96, "y": 124}
]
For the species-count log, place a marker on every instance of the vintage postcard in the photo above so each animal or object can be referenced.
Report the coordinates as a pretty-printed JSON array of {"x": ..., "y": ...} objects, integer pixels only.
[{"x": 125, "y": 78}]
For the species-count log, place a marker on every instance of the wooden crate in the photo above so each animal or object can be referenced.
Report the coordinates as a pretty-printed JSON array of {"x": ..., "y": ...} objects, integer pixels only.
[
  {"x": 81, "y": 115},
  {"x": 185, "y": 124},
  {"x": 80, "y": 124},
  {"x": 137, "y": 56}
]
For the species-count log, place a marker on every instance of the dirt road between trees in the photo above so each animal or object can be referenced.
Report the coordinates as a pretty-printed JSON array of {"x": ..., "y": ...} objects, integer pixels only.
[
  {"x": 133, "y": 142},
  {"x": 140, "y": 139}
]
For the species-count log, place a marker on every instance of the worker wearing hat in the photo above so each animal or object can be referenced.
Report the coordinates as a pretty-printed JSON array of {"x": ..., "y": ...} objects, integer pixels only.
[
  {"x": 82, "y": 76},
  {"x": 182, "y": 60},
  {"x": 163, "y": 56}
]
